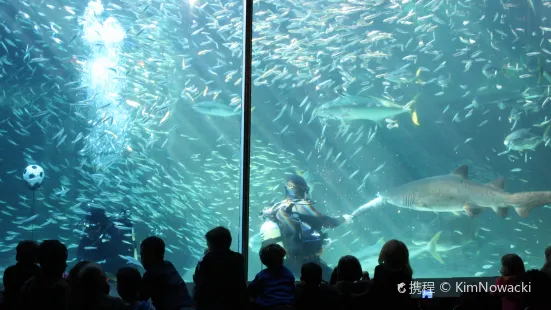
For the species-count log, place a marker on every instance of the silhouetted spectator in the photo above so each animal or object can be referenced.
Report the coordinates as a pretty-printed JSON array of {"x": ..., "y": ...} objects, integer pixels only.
[
  {"x": 48, "y": 290},
  {"x": 353, "y": 292},
  {"x": 512, "y": 271},
  {"x": 312, "y": 292},
  {"x": 273, "y": 287},
  {"x": 72, "y": 281},
  {"x": 92, "y": 291},
  {"x": 219, "y": 277},
  {"x": 128, "y": 287},
  {"x": 393, "y": 269},
  {"x": 547, "y": 266},
  {"x": 333, "y": 279},
  {"x": 538, "y": 298},
  {"x": 25, "y": 268},
  {"x": 161, "y": 281}
]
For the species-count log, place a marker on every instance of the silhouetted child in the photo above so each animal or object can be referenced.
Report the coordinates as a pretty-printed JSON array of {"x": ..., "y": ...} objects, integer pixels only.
[
  {"x": 312, "y": 292},
  {"x": 353, "y": 292},
  {"x": 219, "y": 277},
  {"x": 393, "y": 270},
  {"x": 547, "y": 266},
  {"x": 15, "y": 276},
  {"x": 47, "y": 290},
  {"x": 128, "y": 286},
  {"x": 273, "y": 287},
  {"x": 161, "y": 281},
  {"x": 92, "y": 290},
  {"x": 512, "y": 272}
]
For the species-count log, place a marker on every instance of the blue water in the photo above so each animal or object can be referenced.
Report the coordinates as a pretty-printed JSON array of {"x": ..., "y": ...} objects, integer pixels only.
[{"x": 132, "y": 138}]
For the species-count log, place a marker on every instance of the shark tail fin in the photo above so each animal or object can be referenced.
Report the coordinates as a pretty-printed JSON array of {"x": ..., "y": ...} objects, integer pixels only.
[
  {"x": 432, "y": 247},
  {"x": 410, "y": 106},
  {"x": 525, "y": 202},
  {"x": 415, "y": 118}
]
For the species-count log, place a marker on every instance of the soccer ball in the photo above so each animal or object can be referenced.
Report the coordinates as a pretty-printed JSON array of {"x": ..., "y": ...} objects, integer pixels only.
[{"x": 34, "y": 176}]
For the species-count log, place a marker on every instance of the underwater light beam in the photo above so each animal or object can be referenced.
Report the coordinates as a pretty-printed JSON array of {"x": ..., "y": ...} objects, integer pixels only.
[{"x": 107, "y": 140}]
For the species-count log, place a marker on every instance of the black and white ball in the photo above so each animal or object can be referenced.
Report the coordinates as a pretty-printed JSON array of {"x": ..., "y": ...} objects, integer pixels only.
[{"x": 34, "y": 176}]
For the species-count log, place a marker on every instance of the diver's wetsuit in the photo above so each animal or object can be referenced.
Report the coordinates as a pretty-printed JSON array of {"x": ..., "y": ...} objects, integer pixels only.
[
  {"x": 104, "y": 243},
  {"x": 303, "y": 246}
]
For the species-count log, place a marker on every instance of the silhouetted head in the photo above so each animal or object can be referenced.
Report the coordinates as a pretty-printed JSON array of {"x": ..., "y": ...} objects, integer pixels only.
[
  {"x": 349, "y": 269},
  {"x": 152, "y": 251},
  {"x": 272, "y": 255},
  {"x": 512, "y": 265},
  {"x": 52, "y": 257},
  {"x": 97, "y": 216},
  {"x": 548, "y": 254},
  {"x": 92, "y": 281},
  {"x": 296, "y": 187},
  {"x": 395, "y": 255},
  {"x": 311, "y": 274},
  {"x": 218, "y": 238},
  {"x": 128, "y": 283},
  {"x": 27, "y": 252},
  {"x": 72, "y": 278}
]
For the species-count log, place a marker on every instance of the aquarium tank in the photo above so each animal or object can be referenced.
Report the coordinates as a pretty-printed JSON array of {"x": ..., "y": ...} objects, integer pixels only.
[{"x": 422, "y": 121}]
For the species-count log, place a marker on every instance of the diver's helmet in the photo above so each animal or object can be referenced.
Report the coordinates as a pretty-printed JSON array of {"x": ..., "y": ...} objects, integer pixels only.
[{"x": 296, "y": 187}]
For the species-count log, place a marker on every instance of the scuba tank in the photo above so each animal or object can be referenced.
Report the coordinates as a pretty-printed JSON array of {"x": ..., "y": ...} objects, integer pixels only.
[{"x": 270, "y": 233}]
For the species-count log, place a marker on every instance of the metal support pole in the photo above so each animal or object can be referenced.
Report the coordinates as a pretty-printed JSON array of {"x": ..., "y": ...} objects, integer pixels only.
[{"x": 246, "y": 130}]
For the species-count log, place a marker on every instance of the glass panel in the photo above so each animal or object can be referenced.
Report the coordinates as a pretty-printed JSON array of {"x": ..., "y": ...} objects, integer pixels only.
[
  {"x": 132, "y": 107},
  {"x": 361, "y": 97}
]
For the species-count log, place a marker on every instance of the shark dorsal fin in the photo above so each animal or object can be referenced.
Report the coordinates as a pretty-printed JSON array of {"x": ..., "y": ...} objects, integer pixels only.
[
  {"x": 462, "y": 171},
  {"x": 498, "y": 183}
]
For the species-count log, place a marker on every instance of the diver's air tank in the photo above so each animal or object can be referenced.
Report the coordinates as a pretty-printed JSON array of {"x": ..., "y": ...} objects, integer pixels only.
[{"x": 270, "y": 231}]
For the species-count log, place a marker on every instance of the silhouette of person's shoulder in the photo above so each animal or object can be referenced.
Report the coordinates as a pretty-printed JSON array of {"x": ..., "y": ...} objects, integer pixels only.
[{"x": 113, "y": 303}]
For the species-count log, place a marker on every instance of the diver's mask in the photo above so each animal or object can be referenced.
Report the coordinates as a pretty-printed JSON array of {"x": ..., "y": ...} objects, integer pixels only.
[{"x": 296, "y": 192}]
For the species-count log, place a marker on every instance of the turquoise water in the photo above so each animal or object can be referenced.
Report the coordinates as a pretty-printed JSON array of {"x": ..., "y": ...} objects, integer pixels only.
[{"x": 134, "y": 105}]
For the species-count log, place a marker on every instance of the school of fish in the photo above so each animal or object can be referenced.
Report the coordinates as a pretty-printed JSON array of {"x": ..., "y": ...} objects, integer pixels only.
[{"x": 360, "y": 66}]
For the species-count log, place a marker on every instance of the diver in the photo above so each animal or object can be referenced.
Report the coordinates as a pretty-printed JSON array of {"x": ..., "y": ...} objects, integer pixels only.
[
  {"x": 110, "y": 242},
  {"x": 295, "y": 224}
]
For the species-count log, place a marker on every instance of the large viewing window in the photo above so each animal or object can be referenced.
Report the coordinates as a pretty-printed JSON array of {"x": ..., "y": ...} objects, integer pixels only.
[{"x": 121, "y": 120}]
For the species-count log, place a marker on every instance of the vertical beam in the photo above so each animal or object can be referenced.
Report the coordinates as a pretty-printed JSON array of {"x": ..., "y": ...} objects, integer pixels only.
[{"x": 246, "y": 131}]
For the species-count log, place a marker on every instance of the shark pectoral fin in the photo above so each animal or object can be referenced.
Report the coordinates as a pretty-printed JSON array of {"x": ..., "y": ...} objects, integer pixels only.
[
  {"x": 523, "y": 212},
  {"x": 472, "y": 211},
  {"x": 501, "y": 211},
  {"x": 498, "y": 183},
  {"x": 433, "y": 245},
  {"x": 462, "y": 171}
]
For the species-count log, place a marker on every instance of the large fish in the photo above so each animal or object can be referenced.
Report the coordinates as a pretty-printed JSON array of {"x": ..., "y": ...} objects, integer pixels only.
[
  {"x": 523, "y": 139},
  {"x": 455, "y": 192},
  {"x": 348, "y": 107},
  {"x": 369, "y": 256},
  {"x": 216, "y": 108}
]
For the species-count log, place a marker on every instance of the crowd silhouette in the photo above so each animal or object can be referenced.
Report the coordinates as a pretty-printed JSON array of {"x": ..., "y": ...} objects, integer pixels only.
[{"x": 38, "y": 281}]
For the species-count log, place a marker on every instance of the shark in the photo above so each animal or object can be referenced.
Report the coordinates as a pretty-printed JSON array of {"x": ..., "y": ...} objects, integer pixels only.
[
  {"x": 455, "y": 192},
  {"x": 348, "y": 107},
  {"x": 369, "y": 256}
]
